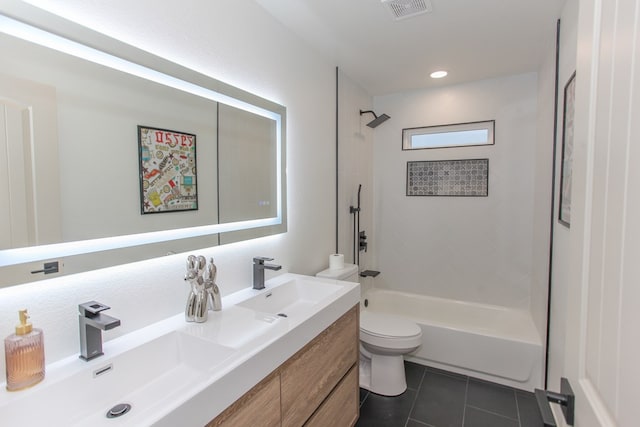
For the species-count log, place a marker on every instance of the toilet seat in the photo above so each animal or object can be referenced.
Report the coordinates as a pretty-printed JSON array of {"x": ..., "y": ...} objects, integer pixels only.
[
  {"x": 387, "y": 325},
  {"x": 388, "y": 334}
]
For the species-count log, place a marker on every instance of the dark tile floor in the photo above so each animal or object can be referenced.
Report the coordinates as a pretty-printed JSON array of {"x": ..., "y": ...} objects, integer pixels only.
[{"x": 436, "y": 398}]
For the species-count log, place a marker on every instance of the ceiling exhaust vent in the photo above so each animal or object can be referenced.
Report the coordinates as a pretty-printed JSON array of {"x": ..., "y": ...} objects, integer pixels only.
[{"x": 402, "y": 9}]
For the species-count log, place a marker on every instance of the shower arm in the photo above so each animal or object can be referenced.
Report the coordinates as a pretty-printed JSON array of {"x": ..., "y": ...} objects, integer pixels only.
[{"x": 375, "y": 116}]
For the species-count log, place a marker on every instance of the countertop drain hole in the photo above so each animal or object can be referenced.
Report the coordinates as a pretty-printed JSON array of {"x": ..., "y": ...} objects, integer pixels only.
[
  {"x": 282, "y": 315},
  {"x": 119, "y": 410}
]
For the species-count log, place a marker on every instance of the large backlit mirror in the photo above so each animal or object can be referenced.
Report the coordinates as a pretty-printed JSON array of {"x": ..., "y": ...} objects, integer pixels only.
[{"x": 125, "y": 156}]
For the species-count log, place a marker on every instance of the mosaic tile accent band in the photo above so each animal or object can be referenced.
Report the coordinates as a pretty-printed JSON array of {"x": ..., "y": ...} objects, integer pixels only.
[{"x": 448, "y": 178}]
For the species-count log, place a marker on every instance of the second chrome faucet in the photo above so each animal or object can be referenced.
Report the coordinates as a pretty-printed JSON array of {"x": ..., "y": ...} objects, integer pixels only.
[{"x": 258, "y": 271}]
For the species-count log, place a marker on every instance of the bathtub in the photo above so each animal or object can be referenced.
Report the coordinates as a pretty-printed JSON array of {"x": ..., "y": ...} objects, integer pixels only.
[{"x": 489, "y": 342}]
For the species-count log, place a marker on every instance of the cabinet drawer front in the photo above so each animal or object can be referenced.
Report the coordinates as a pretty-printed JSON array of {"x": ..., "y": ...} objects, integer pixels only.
[
  {"x": 310, "y": 375},
  {"x": 259, "y": 406},
  {"x": 341, "y": 407}
]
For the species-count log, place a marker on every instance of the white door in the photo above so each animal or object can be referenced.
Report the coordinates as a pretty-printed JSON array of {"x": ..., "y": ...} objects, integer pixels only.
[
  {"x": 29, "y": 201},
  {"x": 29, "y": 164},
  {"x": 603, "y": 318},
  {"x": 16, "y": 228}
]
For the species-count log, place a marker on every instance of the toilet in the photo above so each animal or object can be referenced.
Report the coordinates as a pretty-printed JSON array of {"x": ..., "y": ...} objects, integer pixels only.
[{"x": 384, "y": 340}]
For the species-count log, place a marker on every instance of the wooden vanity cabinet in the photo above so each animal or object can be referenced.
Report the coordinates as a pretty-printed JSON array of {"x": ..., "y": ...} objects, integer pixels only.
[
  {"x": 259, "y": 406},
  {"x": 317, "y": 386},
  {"x": 311, "y": 374},
  {"x": 341, "y": 408}
]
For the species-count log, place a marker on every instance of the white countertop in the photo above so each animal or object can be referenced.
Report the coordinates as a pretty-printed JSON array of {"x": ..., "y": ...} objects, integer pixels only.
[{"x": 252, "y": 345}]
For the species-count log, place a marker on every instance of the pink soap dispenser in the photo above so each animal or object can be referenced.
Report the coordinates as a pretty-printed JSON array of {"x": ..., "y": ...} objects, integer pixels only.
[{"x": 24, "y": 355}]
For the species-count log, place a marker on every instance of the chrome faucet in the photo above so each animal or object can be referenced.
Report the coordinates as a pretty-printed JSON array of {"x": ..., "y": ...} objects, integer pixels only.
[
  {"x": 204, "y": 290},
  {"x": 258, "y": 271},
  {"x": 92, "y": 323}
]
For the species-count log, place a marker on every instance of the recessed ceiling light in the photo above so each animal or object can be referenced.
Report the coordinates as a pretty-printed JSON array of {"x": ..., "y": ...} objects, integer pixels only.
[{"x": 438, "y": 74}]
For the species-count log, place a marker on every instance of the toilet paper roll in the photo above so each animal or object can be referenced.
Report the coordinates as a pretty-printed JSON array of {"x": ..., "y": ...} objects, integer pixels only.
[{"x": 336, "y": 261}]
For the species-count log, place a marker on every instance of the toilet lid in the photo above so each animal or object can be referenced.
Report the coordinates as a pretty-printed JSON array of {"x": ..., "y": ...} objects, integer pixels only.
[{"x": 387, "y": 325}]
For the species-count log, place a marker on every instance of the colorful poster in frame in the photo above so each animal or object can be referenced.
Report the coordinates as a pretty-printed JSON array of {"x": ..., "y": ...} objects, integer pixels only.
[
  {"x": 566, "y": 164},
  {"x": 168, "y": 179}
]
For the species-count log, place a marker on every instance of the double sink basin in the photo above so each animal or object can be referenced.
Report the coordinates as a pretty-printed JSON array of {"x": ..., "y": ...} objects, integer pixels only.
[{"x": 163, "y": 373}]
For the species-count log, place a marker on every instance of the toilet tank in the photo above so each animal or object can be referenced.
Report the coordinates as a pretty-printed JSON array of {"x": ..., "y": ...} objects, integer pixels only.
[{"x": 349, "y": 273}]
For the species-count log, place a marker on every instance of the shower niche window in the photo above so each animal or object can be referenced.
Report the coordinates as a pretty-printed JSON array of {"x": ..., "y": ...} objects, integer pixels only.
[{"x": 454, "y": 135}]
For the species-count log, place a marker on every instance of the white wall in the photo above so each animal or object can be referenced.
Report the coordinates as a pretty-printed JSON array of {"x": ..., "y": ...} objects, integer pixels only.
[
  {"x": 239, "y": 43},
  {"x": 467, "y": 248},
  {"x": 355, "y": 168},
  {"x": 561, "y": 236},
  {"x": 355, "y": 164},
  {"x": 543, "y": 163}
]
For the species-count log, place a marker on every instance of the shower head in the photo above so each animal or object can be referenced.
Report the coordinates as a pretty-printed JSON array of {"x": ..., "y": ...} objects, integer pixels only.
[{"x": 378, "y": 120}]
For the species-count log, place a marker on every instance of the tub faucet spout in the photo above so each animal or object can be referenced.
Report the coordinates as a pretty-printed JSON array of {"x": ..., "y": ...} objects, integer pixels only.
[
  {"x": 92, "y": 323},
  {"x": 258, "y": 271}
]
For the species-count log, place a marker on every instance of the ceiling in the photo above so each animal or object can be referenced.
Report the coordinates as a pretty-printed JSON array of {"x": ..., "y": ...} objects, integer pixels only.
[{"x": 471, "y": 39}]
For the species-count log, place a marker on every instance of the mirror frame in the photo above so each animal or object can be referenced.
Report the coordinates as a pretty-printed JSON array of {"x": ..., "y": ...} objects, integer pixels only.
[{"x": 36, "y": 25}]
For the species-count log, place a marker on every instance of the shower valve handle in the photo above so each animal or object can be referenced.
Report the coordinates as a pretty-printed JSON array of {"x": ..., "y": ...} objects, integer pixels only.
[{"x": 363, "y": 241}]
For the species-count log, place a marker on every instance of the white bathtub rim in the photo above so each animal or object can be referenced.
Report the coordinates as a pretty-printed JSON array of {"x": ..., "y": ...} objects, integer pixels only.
[{"x": 492, "y": 307}]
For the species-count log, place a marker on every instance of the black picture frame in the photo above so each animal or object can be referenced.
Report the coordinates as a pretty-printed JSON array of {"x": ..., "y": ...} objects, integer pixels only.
[{"x": 167, "y": 170}]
